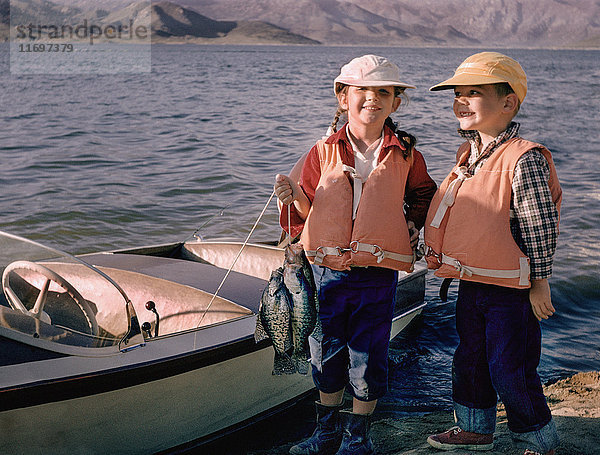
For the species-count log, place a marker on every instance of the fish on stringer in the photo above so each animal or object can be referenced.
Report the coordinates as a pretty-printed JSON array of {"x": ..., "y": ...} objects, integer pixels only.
[
  {"x": 288, "y": 313},
  {"x": 299, "y": 281},
  {"x": 274, "y": 322}
]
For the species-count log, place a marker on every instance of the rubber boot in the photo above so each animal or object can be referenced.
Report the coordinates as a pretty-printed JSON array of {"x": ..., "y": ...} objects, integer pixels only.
[
  {"x": 356, "y": 431},
  {"x": 327, "y": 437}
]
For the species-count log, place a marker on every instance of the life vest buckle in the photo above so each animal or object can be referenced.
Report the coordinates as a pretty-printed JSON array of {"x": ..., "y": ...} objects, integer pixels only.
[
  {"x": 430, "y": 252},
  {"x": 319, "y": 255},
  {"x": 341, "y": 250},
  {"x": 461, "y": 268},
  {"x": 377, "y": 251}
]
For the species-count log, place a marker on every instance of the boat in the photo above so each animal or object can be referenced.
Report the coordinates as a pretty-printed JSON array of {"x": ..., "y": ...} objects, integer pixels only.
[{"x": 135, "y": 352}]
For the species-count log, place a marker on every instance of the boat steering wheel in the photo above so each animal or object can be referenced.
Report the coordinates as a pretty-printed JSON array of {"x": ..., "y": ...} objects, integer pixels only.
[{"x": 38, "y": 307}]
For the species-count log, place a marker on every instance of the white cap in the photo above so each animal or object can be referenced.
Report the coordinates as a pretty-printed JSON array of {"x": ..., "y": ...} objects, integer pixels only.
[{"x": 370, "y": 71}]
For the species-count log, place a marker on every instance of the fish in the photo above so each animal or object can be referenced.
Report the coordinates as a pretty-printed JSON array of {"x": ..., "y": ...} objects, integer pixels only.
[
  {"x": 274, "y": 322},
  {"x": 300, "y": 283}
]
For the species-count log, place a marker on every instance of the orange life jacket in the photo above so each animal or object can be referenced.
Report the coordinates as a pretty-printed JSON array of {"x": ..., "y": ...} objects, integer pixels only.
[
  {"x": 378, "y": 236},
  {"x": 467, "y": 231}
]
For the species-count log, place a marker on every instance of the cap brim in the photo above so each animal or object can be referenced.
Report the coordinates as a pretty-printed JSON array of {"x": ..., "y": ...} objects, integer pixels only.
[
  {"x": 466, "y": 79},
  {"x": 367, "y": 83}
]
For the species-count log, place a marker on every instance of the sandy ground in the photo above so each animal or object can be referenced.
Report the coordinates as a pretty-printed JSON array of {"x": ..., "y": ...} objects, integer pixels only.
[{"x": 575, "y": 405}]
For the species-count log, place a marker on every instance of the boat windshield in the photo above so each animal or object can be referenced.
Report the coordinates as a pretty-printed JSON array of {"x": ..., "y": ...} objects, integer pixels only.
[{"x": 56, "y": 301}]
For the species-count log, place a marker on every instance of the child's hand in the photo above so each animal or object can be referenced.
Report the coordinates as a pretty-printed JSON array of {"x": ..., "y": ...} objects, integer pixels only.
[
  {"x": 541, "y": 302},
  {"x": 414, "y": 234},
  {"x": 288, "y": 192},
  {"x": 285, "y": 190}
]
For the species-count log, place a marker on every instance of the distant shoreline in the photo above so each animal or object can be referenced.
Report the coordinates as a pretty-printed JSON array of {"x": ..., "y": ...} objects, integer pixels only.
[
  {"x": 224, "y": 42},
  {"x": 437, "y": 24}
]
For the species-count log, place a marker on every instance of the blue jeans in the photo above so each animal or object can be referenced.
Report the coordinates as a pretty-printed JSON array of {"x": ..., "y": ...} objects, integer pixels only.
[
  {"x": 498, "y": 354},
  {"x": 355, "y": 309}
]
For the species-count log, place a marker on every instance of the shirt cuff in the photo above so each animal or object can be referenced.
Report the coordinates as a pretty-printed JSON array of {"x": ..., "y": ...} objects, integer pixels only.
[{"x": 540, "y": 269}]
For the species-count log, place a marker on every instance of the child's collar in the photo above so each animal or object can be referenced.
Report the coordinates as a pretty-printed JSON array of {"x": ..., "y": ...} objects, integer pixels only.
[
  {"x": 389, "y": 138},
  {"x": 474, "y": 137}
]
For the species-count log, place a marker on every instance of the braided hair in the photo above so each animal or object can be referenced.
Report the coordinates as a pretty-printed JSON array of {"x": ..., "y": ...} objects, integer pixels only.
[
  {"x": 336, "y": 118},
  {"x": 407, "y": 140}
]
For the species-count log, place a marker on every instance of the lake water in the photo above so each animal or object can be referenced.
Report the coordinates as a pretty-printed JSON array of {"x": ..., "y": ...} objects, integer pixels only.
[{"x": 93, "y": 162}]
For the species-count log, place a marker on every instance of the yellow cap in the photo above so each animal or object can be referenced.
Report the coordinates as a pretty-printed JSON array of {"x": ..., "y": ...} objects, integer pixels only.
[{"x": 488, "y": 68}]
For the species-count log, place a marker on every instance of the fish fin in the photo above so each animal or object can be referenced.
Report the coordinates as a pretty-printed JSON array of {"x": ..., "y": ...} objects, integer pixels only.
[
  {"x": 283, "y": 364},
  {"x": 288, "y": 344},
  {"x": 302, "y": 367},
  {"x": 260, "y": 333}
]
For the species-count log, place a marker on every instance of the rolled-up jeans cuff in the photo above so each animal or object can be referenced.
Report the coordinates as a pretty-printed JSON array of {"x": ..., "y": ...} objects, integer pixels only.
[
  {"x": 481, "y": 421},
  {"x": 542, "y": 440}
]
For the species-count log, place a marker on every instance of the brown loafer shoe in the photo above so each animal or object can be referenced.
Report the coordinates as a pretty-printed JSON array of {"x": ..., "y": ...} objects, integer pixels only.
[{"x": 455, "y": 438}]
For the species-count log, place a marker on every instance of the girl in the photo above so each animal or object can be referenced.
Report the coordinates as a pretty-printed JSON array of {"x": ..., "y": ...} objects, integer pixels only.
[{"x": 349, "y": 206}]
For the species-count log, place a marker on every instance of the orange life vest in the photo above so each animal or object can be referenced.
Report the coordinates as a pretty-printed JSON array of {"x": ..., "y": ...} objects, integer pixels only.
[
  {"x": 467, "y": 231},
  {"x": 378, "y": 236}
]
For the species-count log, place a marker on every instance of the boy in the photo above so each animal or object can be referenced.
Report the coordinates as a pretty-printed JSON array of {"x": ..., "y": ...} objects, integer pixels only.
[{"x": 494, "y": 223}]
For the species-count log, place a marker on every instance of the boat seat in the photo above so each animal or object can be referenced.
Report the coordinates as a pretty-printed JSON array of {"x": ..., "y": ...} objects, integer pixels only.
[{"x": 244, "y": 290}]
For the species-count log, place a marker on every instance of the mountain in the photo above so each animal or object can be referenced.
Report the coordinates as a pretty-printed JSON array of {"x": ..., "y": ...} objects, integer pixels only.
[
  {"x": 169, "y": 19},
  {"x": 491, "y": 23},
  {"x": 170, "y": 23},
  {"x": 476, "y": 23},
  {"x": 25, "y": 11}
]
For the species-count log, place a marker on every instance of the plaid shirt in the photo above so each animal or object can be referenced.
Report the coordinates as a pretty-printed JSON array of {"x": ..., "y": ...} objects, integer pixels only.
[{"x": 533, "y": 215}]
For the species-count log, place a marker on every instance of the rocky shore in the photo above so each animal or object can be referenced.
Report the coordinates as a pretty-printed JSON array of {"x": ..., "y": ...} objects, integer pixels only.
[{"x": 575, "y": 405}]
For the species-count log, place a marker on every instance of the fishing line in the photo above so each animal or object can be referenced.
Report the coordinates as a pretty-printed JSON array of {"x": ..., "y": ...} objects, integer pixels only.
[
  {"x": 196, "y": 234},
  {"x": 234, "y": 261},
  {"x": 289, "y": 236}
]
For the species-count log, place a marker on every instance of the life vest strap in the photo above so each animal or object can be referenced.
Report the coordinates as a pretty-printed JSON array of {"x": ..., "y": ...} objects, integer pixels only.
[
  {"x": 357, "y": 185},
  {"x": 319, "y": 254},
  {"x": 522, "y": 272},
  {"x": 380, "y": 253},
  {"x": 356, "y": 247},
  {"x": 449, "y": 196}
]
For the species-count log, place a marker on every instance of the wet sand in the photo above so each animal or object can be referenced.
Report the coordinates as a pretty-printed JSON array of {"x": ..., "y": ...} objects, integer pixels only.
[{"x": 575, "y": 405}]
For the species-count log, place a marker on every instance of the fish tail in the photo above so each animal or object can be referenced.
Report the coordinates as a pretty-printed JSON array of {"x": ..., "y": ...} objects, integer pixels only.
[
  {"x": 283, "y": 364},
  {"x": 301, "y": 359},
  {"x": 302, "y": 366}
]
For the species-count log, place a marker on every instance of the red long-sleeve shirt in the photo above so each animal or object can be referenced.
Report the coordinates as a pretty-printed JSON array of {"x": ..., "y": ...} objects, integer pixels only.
[{"x": 419, "y": 191}]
